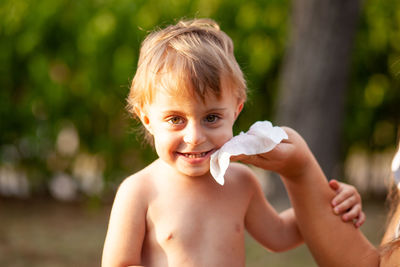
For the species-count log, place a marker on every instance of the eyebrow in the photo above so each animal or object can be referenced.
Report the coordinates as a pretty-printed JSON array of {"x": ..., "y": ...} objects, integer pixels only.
[
  {"x": 180, "y": 112},
  {"x": 216, "y": 109}
]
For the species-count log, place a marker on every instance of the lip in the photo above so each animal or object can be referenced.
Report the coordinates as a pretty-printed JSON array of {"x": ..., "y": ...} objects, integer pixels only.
[{"x": 195, "y": 157}]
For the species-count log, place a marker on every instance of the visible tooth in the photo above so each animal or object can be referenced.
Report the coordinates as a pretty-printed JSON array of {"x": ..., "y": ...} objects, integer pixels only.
[{"x": 192, "y": 156}]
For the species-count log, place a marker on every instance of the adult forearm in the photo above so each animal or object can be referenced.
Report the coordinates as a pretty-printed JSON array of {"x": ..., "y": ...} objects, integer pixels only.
[{"x": 331, "y": 241}]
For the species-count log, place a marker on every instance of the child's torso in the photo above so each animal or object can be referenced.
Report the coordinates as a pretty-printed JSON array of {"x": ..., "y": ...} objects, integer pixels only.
[{"x": 196, "y": 226}]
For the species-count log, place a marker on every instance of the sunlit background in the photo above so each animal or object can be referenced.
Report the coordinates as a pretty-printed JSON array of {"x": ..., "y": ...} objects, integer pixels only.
[{"x": 67, "y": 141}]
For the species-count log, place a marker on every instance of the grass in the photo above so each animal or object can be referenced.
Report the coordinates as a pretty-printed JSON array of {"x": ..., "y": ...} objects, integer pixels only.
[{"x": 47, "y": 233}]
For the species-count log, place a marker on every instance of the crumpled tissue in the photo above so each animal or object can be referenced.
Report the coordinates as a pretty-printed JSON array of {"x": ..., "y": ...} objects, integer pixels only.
[{"x": 260, "y": 138}]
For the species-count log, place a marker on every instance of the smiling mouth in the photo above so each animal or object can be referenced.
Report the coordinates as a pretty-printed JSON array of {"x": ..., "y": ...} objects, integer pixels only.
[{"x": 194, "y": 155}]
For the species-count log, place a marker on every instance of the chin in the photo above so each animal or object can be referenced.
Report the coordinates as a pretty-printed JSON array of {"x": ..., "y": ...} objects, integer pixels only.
[{"x": 195, "y": 172}]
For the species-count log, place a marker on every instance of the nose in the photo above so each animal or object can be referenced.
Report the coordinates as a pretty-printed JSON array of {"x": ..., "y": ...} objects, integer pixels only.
[{"x": 194, "y": 134}]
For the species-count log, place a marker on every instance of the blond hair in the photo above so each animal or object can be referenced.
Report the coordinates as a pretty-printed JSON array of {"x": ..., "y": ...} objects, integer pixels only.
[
  {"x": 393, "y": 199},
  {"x": 192, "y": 56}
]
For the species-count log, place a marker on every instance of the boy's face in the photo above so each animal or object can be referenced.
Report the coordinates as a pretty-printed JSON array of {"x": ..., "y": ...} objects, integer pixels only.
[{"x": 187, "y": 130}]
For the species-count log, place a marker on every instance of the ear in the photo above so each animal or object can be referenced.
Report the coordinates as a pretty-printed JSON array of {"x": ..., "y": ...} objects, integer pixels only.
[
  {"x": 239, "y": 109},
  {"x": 144, "y": 118}
]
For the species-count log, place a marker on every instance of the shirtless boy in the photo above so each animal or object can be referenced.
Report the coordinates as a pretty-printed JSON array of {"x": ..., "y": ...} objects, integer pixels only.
[{"x": 188, "y": 91}]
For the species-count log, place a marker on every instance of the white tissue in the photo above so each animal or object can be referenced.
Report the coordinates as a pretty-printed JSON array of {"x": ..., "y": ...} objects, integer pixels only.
[{"x": 260, "y": 138}]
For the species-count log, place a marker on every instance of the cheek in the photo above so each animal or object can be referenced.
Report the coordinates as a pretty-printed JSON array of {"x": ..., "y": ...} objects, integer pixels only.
[
  {"x": 164, "y": 142},
  {"x": 223, "y": 135}
]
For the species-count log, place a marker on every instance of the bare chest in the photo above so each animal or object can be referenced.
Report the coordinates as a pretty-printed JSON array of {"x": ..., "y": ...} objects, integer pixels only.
[{"x": 197, "y": 227}]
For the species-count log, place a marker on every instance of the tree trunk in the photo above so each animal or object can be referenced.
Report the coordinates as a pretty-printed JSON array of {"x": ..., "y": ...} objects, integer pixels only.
[{"x": 315, "y": 75}]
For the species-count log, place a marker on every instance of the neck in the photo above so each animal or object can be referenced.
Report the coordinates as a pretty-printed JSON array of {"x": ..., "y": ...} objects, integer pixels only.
[{"x": 174, "y": 174}]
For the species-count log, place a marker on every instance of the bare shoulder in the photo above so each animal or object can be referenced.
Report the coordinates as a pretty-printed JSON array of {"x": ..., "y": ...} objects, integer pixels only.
[
  {"x": 138, "y": 186},
  {"x": 127, "y": 225},
  {"x": 242, "y": 175},
  {"x": 391, "y": 258},
  {"x": 137, "y": 181}
]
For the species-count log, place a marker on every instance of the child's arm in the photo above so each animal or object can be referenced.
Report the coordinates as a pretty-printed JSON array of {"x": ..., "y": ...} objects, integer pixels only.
[
  {"x": 126, "y": 230},
  {"x": 276, "y": 232},
  {"x": 332, "y": 242},
  {"x": 347, "y": 203},
  {"x": 347, "y": 200}
]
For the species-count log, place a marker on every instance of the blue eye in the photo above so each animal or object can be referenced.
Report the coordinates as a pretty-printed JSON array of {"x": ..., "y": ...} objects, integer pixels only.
[
  {"x": 175, "y": 120},
  {"x": 211, "y": 118}
]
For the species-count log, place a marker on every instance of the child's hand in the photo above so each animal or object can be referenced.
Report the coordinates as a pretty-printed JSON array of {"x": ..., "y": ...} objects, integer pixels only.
[{"x": 347, "y": 203}]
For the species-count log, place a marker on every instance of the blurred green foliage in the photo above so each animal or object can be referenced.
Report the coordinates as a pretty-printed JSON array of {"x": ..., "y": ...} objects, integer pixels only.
[
  {"x": 68, "y": 65},
  {"x": 373, "y": 114}
]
